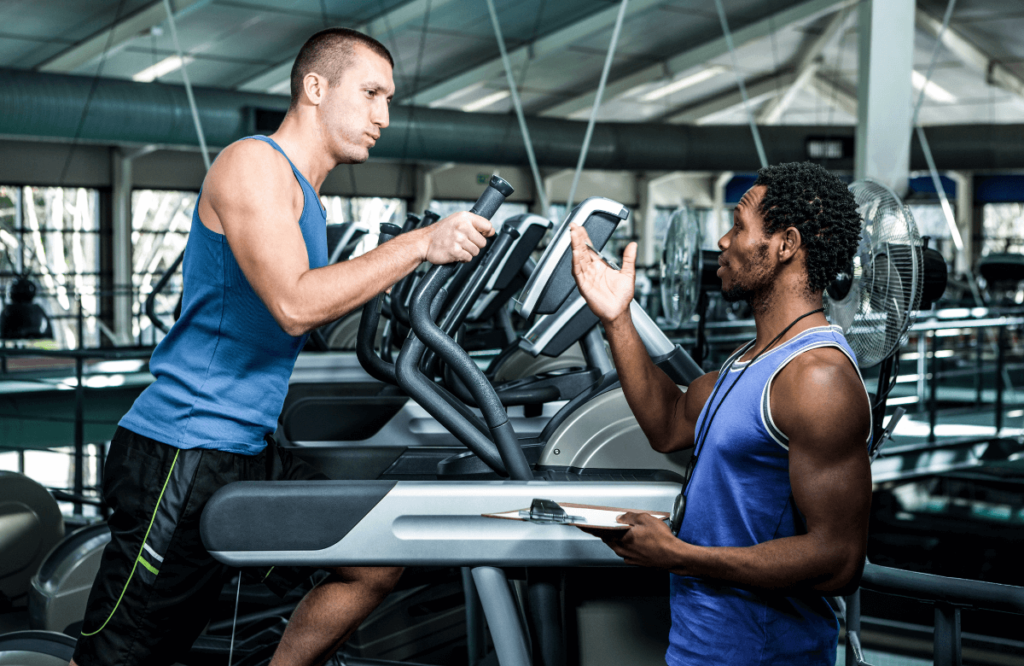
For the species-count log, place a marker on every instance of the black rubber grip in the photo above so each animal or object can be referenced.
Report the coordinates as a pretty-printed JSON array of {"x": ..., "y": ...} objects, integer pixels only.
[
  {"x": 492, "y": 198},
  {"x": 411, "y": 222},
  {"x": 373, "y": 364}
]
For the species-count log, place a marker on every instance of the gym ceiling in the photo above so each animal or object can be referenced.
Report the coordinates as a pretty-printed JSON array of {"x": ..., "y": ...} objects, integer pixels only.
[{"x": 798, "y": 58}]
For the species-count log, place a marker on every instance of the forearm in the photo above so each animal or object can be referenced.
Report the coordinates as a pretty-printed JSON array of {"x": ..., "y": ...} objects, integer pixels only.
[
  {"x": 795, "y": 563},
  {"x": 322, "y": 295},
  {"x": 655, "y": 400}
]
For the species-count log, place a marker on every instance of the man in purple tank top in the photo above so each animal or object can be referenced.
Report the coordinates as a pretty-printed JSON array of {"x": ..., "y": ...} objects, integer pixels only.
[
  {"x": 776, "y": 508},
  {"x": 254, "y": 287}
]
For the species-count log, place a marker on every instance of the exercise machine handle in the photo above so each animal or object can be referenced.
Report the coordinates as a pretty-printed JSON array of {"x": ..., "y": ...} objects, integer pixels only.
[
  {"x": 439, "y": 403},
  {"x": 492, "y": 198},
  {"x": 466, "y": 369},
  {"x": 151, "y": 299},
  {"x": 373, "y": 364}
]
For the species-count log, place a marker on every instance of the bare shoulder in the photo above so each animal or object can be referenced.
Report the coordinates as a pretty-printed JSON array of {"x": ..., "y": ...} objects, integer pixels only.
[
  {"x": 820, "y": 390},
  {"x": 248, "y": 171}
]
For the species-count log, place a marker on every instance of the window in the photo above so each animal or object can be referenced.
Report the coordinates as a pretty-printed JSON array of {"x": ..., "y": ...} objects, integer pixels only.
[
  {"x": 931, "y": 222},
  {"x": 1003, "y": 227},
  {"x": 161, "y": 220},
  {"x": 507, "y": 210},
  {"x": 367, "y": 212},
  {"x": 51, "y": 234}
]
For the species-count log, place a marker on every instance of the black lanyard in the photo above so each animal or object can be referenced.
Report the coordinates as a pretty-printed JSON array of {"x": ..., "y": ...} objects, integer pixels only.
[{"x": 679, "y": 510}]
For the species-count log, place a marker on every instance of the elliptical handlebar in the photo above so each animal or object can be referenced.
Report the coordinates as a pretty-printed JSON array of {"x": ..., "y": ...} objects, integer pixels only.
[
  {"x": 472, "y": 377},
  {"x": 373, "y": 364},
  {"x": 426, "y": 306},
  {"x": 150, "y": 305}
]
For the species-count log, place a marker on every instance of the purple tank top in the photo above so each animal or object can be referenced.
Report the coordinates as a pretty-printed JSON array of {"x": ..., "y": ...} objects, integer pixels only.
[{"x": 739, "y": 496}]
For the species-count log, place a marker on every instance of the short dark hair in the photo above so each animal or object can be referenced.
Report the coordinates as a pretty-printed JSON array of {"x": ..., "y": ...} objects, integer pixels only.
[
  {"x": 328, "y": 53},
  {"x": 821, "y": 207}
]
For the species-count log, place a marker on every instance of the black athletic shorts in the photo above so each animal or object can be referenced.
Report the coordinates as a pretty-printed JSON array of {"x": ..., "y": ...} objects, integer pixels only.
[{"x": 157, "y": 584}]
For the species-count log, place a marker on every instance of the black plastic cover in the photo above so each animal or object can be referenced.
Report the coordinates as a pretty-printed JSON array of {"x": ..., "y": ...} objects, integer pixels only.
[
  {"x": 287, "y": 515},
  {"x": 519, "y": 256},
  {"x": 599, "y": 227}
]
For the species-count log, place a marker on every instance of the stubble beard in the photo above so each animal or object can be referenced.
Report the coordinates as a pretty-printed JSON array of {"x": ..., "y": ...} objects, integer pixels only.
[{"x": 758, "y": 287}]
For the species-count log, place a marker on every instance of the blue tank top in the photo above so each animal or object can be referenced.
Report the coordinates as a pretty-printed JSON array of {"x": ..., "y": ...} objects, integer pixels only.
[
  {"x": 222, "y": 371},
  {"x": 740, "y": 495}
]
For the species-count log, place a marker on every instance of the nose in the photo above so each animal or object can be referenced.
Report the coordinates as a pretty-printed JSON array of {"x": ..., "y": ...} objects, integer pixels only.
[
  {"x": 382, "y": 116},
  {"x": 723, "y": 243}
]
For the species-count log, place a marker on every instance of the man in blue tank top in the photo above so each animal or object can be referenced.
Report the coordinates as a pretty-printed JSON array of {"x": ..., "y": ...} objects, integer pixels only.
[
  {"x": 255, "y": 284},
  {"x": 776, "y": 509}
]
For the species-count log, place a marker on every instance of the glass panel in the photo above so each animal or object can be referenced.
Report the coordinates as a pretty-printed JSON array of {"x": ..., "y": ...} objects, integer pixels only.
[
  {"x": 51, "y": 234},
  {"x": 367, "y": 212},
  {"x": 161, "y": 220},
  {"x": 1003, "y": 228}
]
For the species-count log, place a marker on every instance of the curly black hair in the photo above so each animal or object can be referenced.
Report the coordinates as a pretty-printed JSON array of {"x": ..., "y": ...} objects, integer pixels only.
[{"x": 821, "y": 207}]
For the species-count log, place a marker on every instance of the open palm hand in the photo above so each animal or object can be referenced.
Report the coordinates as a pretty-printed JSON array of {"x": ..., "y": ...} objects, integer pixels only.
[{"x": 607, "y": 291}]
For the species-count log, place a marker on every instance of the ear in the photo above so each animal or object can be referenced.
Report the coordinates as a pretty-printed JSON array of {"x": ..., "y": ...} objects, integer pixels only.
[
  {"x": 315, "y": 88},
  {"x": 792, "y": 241}
]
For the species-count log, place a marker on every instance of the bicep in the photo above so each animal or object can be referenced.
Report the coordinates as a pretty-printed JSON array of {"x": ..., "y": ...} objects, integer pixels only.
[
  {"x": 826, "y": 418},
  {"x": 692, "y": 402}
]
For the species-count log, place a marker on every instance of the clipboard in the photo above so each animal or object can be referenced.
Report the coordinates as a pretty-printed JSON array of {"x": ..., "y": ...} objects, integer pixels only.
[{"x": 549, "y": 512}]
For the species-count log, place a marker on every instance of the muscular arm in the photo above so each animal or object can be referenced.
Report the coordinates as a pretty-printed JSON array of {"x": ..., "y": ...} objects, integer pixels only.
[
  {"x": 819, "y": 403},
  {"x": 665, "y": 414},
  {"x": 252, "y": 197}
]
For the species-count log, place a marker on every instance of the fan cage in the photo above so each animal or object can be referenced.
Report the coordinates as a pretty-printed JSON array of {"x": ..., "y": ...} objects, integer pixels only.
[
  {"x": 681, "y": 266},
  {"x": 885, "y": 293}
]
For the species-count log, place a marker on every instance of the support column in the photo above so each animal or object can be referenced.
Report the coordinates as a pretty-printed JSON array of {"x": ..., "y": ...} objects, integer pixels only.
[
  {"x": 884, "y": 91},
  {"x": 721, "y": 221},
  {"x": 965, "y": 218},
  {"x": 424, "y": 192},
  {"x": 122, "y": 245},
  {"x": 643, "y": 220}
]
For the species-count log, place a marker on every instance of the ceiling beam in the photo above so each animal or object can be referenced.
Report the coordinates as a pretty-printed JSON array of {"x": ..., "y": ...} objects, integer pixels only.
[
  {"x": 995, "y": 73},
  {"x": 276, "y": 79},
  {"x": 550, "y": 43},
  {"x": 834, "y": 92},
  {"x": 769, "y": 86},
  {"x": 115, "y": 37},
  {"x": 698, "y": 56},
  {"x": 810, "y": 63}
]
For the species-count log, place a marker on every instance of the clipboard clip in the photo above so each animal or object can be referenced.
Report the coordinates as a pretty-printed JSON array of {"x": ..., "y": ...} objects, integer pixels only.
[{"x": 548, "y": 511}]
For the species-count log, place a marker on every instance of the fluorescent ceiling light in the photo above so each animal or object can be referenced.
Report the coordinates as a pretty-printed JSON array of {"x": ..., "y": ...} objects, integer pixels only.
[
  {"x": 165, "y": 66},
  {"x": 683, "y": 83},
  {"x": 461, "y": 92},
  {"x": 932, "y": 90},
  {"x": 281, "y": 88},
  {"x": 484, "y": 102}
]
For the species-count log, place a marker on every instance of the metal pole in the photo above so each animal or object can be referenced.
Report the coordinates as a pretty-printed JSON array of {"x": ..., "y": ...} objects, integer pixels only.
[
  {"x": 503, "y": 620},
  {"x": 933, "y": 387},
  {"x": 597, "y": 104},
  {"x": 946, "y": 645},
  {"x": 947, "y": 210},
  {"x": 538, "y": 182},
  {"x": 739, "y": 81},
  {"x": 476, "y": 639},
  {"x": 79, "y": 430},
  {"x": 853, "y": 629},
  {"x": 1000, "y": 362},
  {"x": 188, "y": 85},
  {"x": 979, "y": 379}
]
